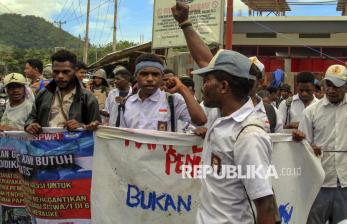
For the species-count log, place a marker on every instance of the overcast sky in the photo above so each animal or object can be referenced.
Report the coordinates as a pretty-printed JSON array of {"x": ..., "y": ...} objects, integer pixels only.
[{"x": 134, "y": 16}]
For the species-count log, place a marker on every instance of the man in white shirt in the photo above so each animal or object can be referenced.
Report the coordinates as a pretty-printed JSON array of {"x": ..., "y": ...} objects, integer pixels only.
[
  {"x": 117, "y": 95},
  {"x": 325, "y": 124},
  {"x": 265, "y": 112},
  {"x": 228, "y": 81},
  {"x": 154, "y": 109},
  {"x": 291, "y": 110}
]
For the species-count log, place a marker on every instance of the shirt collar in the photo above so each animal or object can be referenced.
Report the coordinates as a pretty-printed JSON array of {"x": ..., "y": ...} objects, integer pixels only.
[
  {"x": 260, "y": 105},
  {"x": 296, "y": 97},
  {"x": 155, "y": 97},
  {"x": 242, "y": 113}
]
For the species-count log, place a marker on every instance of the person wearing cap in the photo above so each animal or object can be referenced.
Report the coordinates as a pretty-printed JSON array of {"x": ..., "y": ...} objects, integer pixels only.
[
  {"x": 63, "y": 103},
  {"x": 47, "y": 72},
  {"x": 99, "y": 87},
  {"x": 117, "y": 95},
  {"x": 229, "y": 78},
  {"x": 228, "y": 81},
  {"x": 150, "y": 108},
  {"x": 291, "y": 110},
  {"x": 324, "y": 124},
  {"x": 19, "y": 105},
  {"x": 265, "y": 111}
]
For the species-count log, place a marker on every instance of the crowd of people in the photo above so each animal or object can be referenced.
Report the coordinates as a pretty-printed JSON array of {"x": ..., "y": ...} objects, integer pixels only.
[{"x": 235, "y": 116}]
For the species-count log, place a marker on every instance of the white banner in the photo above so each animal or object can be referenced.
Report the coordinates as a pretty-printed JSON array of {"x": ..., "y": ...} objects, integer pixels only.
[
  {"x": 207, "y": 17},
  {"x": 137, "y": 177}
]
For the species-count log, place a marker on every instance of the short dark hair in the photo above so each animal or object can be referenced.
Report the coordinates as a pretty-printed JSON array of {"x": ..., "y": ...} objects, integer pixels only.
[
  {"x": 36, "y": 63},
  {"x": 81, "y": 65},
  {"x": 263, "y": 93},
  {"x": 272, "y": 89},
  {"x": 168, "y": 71},
  {"x": 187, "y": 81},
  {"x": 64, "y": 55},
  {"x": 124, "y": 74},
  {"x": 149, "y": 57},
  {"x": 240, "y": 87},
  {"x": 305, "y": 77}
]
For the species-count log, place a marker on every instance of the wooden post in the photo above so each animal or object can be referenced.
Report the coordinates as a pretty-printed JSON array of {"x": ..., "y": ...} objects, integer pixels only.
[{"x": 229, "y": 26}]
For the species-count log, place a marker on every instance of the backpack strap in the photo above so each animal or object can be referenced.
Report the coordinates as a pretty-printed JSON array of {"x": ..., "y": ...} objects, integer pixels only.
[
  {"x": 288, "y": 104},
  {"x": 247, "y": 124},
  {"x": 121, "y": 109},
  {"x": 170, "y": 100},
  {"x": 271, "y": 115}
]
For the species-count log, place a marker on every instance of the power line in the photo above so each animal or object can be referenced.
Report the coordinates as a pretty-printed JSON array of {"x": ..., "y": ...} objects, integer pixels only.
[
  {"x": 96, "y": 7},
  {"x": 67, "y": 10},
  {"x": 303, "y": 45},
  {"x": 62, "y": 10},
  {"x": 6, "y": 7},
  {"x": 97, "y": 20},
  {"x": 80, "y": 21},
  {"x": 104, "y": 23}
]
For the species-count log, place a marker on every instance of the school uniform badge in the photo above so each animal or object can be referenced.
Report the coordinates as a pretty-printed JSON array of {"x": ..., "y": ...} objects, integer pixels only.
[
  {"x": 162, "y": 126},
  {"x": 216, "y": 163}
]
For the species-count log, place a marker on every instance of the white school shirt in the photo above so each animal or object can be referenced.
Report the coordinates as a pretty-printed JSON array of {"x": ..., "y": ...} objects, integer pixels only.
[
  {"x": 111, "y": 105},
  {"x": 224, "y": 201},
  {"x": 211, "y": 113},
  {"x": 16, "y": 116},
  {"x": 325, "y": 125},
  {"x": 153, "y": 112},
  {"x": 261, "y": 114},
  {"x": 296, "y": 109}
]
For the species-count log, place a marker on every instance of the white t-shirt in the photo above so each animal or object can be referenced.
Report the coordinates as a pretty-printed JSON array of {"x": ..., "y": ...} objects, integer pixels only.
[
  {"x": 224, "y": 201},
  {"x": 16, "y": 116}
]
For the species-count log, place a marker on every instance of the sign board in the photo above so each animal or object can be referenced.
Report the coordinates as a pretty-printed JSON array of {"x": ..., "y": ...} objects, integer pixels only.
[{"x": 207, "y": 17}]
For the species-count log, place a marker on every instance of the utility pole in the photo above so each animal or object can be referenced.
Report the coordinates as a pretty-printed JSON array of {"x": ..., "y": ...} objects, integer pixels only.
[
  {"x": 115, "y": 25},
  {"x": 229, "y": 28},
  {"x": 61, "y": 34},
  {"x": 86, "y": 39}
]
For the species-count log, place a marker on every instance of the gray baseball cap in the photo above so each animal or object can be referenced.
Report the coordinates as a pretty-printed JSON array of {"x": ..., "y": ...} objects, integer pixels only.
[{"x": 230, "y": 62}]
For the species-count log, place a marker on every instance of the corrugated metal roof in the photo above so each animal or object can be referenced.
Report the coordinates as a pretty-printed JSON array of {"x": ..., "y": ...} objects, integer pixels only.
[
  {"x": 114, "y": 56},
  {"x": 267, "y": 5}
]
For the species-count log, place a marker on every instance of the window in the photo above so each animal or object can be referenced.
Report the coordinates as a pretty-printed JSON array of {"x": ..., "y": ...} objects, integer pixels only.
[
  {"x": 261, "y": 35},
  {"x": 314, "y": 35}
]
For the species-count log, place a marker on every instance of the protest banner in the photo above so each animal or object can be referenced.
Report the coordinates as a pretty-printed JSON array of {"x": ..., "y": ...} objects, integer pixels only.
[
  {"x": 207, "y": 17},
  {"x": 46, "y": 177},
  {"x": 137, "y": 177}
]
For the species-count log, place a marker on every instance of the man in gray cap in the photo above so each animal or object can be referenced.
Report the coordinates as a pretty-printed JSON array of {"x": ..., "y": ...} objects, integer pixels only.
[
  {"x": 325, "y": 125},
  {"x": 235, "y": 138},
  {"x": 228, "y": 80}
]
